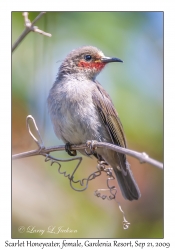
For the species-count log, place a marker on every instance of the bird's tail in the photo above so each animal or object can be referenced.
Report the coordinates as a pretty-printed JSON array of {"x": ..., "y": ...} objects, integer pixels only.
[{"x": 128, "y": 185}]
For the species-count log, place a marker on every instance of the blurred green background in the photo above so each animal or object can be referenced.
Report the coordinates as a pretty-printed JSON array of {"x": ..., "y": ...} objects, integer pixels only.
[{"x": 40, "y": 196}]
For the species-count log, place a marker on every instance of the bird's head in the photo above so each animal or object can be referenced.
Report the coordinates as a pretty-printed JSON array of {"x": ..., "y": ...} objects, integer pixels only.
[{"x": 86, "y": 61}]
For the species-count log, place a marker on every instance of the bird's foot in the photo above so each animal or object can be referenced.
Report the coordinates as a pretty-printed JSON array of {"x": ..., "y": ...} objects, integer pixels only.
[
  {"x": 91, "y": 147},
  {"x": 69, "y": 151}
]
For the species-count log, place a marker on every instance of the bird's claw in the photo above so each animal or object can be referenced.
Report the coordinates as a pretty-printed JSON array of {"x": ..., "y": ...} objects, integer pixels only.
[
  {"x": 90, "y": 145},
  {"x": 69, "y": 151}
]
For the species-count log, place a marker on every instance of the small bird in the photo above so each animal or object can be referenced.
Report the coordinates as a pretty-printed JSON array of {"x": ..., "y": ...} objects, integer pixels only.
[{"x": 81, "y": 110}]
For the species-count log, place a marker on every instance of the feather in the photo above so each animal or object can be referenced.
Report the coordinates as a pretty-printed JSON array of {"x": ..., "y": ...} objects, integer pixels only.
[{"x": 111, "y": 120}]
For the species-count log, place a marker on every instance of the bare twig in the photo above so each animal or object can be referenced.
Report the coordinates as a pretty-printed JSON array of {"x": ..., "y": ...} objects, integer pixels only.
[
  {"x": 30, "y": 27},
  {"x": 143, "y": 157}
]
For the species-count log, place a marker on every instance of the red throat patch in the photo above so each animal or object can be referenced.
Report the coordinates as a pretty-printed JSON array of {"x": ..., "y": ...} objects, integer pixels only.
[{"x": 91, "y": 65}]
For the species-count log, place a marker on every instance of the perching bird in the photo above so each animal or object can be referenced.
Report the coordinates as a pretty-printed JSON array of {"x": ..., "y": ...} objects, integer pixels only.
[{"x": 81, "y": 110}]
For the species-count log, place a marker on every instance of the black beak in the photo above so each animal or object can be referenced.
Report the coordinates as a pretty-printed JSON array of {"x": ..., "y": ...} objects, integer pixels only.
[{"x": 110, "y": 59}]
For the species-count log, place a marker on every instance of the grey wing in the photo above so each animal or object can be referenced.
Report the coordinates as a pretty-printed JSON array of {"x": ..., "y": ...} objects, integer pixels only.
[
  {"x": 111, "y": 119},
  {"x": 113, "y": 125}
]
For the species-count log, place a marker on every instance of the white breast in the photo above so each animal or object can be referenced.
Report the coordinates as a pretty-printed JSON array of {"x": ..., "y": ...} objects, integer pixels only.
[{"x": 73, "y": 113}]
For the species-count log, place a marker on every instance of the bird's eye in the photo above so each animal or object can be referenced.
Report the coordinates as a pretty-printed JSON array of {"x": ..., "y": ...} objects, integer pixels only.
[{"x": 87, "y": 57}]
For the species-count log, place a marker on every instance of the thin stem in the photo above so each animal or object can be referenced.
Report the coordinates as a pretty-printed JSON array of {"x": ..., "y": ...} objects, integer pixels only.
[
  {"x": 29, "y": 27},
  {"x": 38, "y": 17},
  {"x": 21, "y": 37}
]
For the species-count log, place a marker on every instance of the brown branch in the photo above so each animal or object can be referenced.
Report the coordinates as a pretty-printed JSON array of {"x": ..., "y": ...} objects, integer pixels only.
[
  {"x": 29, "y": 27},
  {"x": 90, "y": 145}
]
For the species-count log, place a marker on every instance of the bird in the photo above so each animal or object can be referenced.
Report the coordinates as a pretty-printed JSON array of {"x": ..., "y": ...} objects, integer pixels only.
[{"x": 80, "y": 109}]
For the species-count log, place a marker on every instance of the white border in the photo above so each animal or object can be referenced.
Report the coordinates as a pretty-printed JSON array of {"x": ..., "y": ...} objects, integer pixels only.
[{"x": 5, "y": 94}]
